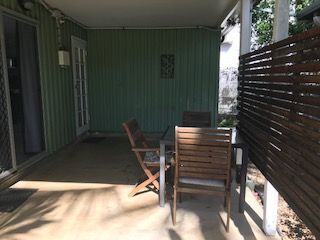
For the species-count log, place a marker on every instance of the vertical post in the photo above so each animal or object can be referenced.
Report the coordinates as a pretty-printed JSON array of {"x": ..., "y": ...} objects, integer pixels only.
[
  {"x": 270, "y": 209},
  {"x": 243, "y": 176},
  {"x": 271, "y": 196},
  {"x": 281, "y": 20},
  {"x": 162, "y": 191},
  {"x": 245, "y": 30},
  {"x": 245, "y": 44}
]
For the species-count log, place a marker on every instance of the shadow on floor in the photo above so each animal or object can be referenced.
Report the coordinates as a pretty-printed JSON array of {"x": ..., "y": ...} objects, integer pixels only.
[
  {"x": 202, "y": 205},
  {"x": 109, "y": 161},
  {"x": 35, "y": 212}
]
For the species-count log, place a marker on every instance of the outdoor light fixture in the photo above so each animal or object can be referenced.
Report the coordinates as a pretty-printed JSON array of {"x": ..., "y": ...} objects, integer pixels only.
[
  {"x": 26, "y": 4},
  {"x": 63, "y": 58}
]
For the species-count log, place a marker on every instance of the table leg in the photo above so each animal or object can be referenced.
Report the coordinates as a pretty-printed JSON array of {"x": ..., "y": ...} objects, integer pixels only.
[
  {"x": 162, "y": 175},
  {"x": 243, "y": 179}
]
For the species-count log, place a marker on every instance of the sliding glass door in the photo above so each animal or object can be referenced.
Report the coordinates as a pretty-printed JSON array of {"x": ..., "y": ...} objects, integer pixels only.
[
  {"x": 7, "y": 158},
  {"x": 23, "y": 92}
]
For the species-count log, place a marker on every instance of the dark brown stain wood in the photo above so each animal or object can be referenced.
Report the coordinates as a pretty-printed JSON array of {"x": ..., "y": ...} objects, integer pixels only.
[
  {"x": 203, "y": 154},
  {"x": 196, "y": 119},
  {"x": 140, "y": 146},
  {"x": 279, "y": 113}
]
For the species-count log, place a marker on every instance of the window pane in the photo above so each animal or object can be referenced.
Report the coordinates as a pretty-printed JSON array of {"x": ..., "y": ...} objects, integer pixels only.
[
  {"x": 80, "y": 119},
  {"x": 82, "y": 71},
  {"x": 78, "y": 88},
  {"x": 83, "y": 88},
  {"x": 77, "y": 55},
  {"x": 84, "y": 101},
  {"x": 81, "y": 55},
  {"x": 79, "y": 104},
  {"x": 84, "y": 117},
  {"x": 77, "y": 71}
]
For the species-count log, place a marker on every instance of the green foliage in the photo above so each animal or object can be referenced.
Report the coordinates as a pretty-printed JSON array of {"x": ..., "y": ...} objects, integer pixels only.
[
  {"x": 262, "y": 21},
  {"x": 228, "y": 121},
  {"x": 263, "y": 17}
]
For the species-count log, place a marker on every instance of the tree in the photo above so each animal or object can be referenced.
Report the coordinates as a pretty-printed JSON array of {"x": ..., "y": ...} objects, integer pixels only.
[{"x": 263, "y": 17}]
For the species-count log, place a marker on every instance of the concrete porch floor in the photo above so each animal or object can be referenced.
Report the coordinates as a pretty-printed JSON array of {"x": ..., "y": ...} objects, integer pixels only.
[{"x": 82, "y": 193}]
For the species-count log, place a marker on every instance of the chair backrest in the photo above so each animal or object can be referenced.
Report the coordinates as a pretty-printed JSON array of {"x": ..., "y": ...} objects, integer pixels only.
[
  {"x": 203, "y": 153},
  {"x": 196, "y": 119},
  {"x": 134, "y": 133}
]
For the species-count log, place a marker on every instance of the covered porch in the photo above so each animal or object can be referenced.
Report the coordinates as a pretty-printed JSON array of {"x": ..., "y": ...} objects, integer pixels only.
[{"x": 100, "y": 64}]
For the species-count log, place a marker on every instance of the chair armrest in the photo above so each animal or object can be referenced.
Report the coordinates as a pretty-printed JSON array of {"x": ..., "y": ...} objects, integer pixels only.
[{"x": 145, "y": 149}]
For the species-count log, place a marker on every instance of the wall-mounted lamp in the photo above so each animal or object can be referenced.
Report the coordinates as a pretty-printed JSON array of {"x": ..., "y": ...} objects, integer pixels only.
[
  {"x": 26, "y": 4},
  {"x": 63, "y": 58}
]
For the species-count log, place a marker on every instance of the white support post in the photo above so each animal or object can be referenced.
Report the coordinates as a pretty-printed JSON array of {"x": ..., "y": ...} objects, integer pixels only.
[
  {"x": 271, "y": 196},
  {"x": 281, "y": 20},
  {"x": 245, "y": 21},
  {"x": 270, "y": 209}
]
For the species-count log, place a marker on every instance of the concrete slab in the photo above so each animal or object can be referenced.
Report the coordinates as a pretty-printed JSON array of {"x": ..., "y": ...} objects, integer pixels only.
[{"x": 82, "y": 193}]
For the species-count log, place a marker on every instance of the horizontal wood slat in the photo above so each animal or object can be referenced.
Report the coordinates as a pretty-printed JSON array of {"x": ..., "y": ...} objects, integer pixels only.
[
  {"x": 217, "y": 137},
  {"x": 311, "y": 34},
  {"x": 196, "y": 119},
  {"x": 279, "y": 117},
  {"x": 199, "y": 169},
  {"x": 212, "y": 131},
  {"x": 203, "y": 142},
  {"x": 203, "y": 153},
  {"x": 203, "y": 159},
  {"x": 202, "y": 164},
  {"x": 203, "y": 175},
  {"x": 203, "y": 148},
  {"x": 282, "y": 78}
]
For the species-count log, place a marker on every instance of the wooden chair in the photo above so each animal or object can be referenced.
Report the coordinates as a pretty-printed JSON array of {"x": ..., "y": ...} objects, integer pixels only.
[
  {"x": 203, "y": 159},
  {"x": 196, "y": 119},
  {"x": 140, "y": 146}
]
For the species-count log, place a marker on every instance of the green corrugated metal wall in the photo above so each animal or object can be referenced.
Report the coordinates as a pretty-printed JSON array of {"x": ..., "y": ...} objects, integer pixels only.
[
  {"x": 124, "y": 76},
  {"x": 57, "y": 83}
]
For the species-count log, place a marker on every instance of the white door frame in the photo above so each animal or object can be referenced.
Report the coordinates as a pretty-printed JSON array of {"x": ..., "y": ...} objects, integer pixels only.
[{"x": 78, "y": 84}]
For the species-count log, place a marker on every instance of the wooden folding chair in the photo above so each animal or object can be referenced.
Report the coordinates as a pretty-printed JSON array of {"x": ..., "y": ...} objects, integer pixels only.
[
  {"x": 203, "y": 164},
  {"x": 196, "y": 119},
  {"x": 140, "y": 146}
]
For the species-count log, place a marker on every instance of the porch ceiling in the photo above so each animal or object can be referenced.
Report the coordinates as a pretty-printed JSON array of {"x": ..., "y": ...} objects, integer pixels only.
[{"x": 146, "y": 13}]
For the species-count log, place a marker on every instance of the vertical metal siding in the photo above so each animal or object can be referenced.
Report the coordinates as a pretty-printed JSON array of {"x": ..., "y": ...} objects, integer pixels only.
[
  {"x": 124, "y": 76},
  {"x": 57, "y": 83}
]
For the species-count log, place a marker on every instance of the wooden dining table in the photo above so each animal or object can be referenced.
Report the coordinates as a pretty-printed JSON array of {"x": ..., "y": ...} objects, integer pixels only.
[{"x": 168, "y": 140}]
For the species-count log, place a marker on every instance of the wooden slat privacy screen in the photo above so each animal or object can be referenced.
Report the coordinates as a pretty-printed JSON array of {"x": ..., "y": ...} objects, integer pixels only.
[{"x": 279, "y": 113}]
